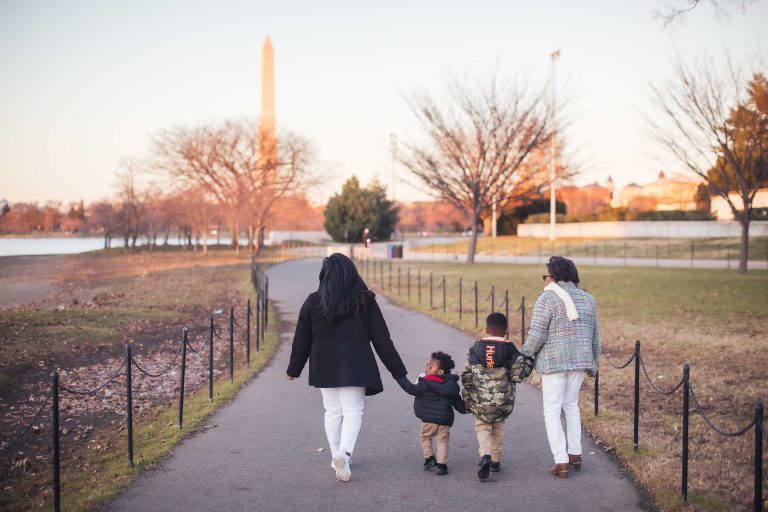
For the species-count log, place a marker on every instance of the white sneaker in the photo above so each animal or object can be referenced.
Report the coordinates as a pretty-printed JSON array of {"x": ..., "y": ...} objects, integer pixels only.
[{"x": 341, "y": 465}]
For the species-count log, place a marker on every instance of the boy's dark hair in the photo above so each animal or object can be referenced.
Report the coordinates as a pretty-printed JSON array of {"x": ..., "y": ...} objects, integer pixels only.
[
  {"x": 563, "y": 269},
  {"x": 497, "y": 322},
  {"x": 446, "y": 362}
]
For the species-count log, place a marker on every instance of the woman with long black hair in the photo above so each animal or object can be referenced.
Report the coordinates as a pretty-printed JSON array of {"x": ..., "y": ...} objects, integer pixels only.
[{"x": 335, "y": 329}]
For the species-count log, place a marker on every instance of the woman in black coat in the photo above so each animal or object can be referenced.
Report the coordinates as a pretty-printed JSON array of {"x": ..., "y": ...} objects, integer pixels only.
[{"x": 336, "y": 327}]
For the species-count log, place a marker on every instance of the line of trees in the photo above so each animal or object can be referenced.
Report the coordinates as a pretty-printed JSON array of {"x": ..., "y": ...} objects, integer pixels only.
[{"x": 212, "y": 178}]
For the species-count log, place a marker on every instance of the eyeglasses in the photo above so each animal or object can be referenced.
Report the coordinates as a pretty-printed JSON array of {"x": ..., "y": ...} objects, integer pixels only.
[{"x": 545, "y": 276}]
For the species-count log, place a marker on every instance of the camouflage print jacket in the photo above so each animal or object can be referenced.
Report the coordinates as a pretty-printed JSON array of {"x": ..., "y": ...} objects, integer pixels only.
[{"x": 493, "y": 368}]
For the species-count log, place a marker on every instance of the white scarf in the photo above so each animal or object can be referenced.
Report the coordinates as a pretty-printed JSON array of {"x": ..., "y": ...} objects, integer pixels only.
[{"x": 570, "y": 307}]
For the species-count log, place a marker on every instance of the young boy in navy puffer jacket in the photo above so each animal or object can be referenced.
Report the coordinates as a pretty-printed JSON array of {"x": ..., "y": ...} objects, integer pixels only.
[{"x": 437, "y": 395}]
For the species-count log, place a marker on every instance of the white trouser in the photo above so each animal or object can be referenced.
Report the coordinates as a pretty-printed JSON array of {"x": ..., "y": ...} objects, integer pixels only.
[
  {"x": 343, "y": 417},
  {"x": 561, "y": 391}
]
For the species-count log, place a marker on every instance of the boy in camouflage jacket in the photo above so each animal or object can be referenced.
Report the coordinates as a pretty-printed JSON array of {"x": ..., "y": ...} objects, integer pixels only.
[{"x": 493, "y": 367}]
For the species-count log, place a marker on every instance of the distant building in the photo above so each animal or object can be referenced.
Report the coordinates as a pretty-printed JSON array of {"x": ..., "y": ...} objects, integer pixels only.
[
  {"x": 666, "y": 193},
  {"x": 587, "y": 199},
  {"x": 723, "y": 211}
]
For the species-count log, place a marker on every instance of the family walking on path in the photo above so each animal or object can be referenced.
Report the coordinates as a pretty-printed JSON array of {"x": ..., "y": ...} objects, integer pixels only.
[
  {"x": 267, "y": 451},
  {"x": 341, "y": 325}
]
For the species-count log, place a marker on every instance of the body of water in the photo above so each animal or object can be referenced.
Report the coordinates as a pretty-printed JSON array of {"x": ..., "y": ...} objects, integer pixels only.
[
  {"x": 26, "y": 246},
  {"x": 10, "y": 246}
]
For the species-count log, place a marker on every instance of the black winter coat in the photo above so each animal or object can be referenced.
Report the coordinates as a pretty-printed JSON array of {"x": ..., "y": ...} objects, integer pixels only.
[
  {"x": 435, "y": 401},
  {"x": 339, "y": 349}
]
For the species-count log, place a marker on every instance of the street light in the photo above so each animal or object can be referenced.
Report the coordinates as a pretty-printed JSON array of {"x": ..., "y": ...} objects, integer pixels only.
[{"x": 552, "y": 187}]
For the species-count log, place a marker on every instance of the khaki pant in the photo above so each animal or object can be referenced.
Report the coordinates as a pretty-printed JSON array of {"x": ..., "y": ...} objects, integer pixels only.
[
  {"x": 441, "y": 434},
  {"x": 490, "y": 437}
]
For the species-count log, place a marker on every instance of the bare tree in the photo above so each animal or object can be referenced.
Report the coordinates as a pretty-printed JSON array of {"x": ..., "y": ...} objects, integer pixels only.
[
  {"x": 132, "y": 212},
  {"x": 477, "y": 143},
  {"x": 238, "y": 166},
  {"x": 674, "y": 10},
  {"x": 715, "y": 124},
  {"x": 103, "y": 215}
]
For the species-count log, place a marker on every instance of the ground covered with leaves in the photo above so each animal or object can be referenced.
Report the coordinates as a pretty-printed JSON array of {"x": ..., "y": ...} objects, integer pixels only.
[{"x": 93, "y": 306}]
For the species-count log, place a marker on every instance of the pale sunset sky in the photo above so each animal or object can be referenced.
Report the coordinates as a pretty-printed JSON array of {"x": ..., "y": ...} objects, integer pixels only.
[{"x": 84, "y": 83}]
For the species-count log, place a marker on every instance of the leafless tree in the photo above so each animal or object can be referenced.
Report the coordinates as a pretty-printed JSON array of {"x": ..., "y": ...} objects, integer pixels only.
[
  {"x": 237, "y": 165},
  {"x": 674, "y": 10},
  {"x": 712, "y": 122},
  {"x": 477, "y": 143},
  {"x": 133, "y": 199},
  {"x": 102, "y": 215}
]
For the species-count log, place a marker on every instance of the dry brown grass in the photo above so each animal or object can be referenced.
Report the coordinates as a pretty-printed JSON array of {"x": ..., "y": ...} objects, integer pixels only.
[{"x": 716, "y": 320}]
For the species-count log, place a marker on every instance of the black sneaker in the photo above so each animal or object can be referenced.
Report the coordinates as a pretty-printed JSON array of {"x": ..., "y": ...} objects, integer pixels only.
[
  {"x": 442, "y": 469},
  {"x": 429, "y": 463},
  {"x": 495, "y": 467},
  {"x": 485, "y": 467}
]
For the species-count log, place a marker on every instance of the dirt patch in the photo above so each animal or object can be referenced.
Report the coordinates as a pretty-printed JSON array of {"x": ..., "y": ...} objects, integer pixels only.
[{"x": 99, "y": 304}]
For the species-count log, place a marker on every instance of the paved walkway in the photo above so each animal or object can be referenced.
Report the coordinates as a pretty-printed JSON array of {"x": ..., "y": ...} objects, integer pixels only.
[{"x": 263, "y": 452}]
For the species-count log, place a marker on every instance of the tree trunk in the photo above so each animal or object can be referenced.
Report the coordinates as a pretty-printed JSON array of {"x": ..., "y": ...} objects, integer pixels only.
[
  {"x": 744, "y": 254},
  {"x": 106, "y": 239},
  {"x": 473, "y": 239},
  {"x": 205, "y": 239}
]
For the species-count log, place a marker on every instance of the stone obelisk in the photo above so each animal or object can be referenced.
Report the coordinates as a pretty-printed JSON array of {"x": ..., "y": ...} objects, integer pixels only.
[{"x": 267, "y": 134}]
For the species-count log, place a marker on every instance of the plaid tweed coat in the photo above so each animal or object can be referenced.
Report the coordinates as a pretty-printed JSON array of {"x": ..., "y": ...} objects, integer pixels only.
[{"x": 561, "y": 345}]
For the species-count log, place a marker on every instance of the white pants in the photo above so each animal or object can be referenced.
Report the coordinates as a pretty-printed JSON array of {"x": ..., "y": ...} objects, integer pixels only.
[
  {"x": 561, "y": 391},
  {"x": 343, "y": 417}
]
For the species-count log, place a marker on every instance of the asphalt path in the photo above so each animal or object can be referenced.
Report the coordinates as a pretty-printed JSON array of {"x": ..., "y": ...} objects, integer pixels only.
[{"x": 266, "y": 451}]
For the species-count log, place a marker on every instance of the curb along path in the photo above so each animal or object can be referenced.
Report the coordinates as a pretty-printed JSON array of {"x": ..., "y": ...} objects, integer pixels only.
[{"x": 262, "y": 451}]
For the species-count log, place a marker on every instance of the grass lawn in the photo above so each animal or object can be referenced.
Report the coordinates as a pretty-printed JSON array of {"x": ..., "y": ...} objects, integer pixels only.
[
  {"x": 101, "y": 302},
  {"x": 678, "y": 248},
  {"x": 716, "y": 320}
]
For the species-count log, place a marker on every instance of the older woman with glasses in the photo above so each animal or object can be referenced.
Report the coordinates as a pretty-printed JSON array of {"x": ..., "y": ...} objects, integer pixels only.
[{"x": 565, "y": 340}]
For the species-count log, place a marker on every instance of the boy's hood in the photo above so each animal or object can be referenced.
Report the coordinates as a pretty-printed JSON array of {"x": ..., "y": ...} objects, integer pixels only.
[
  {"x": 449, "y": 386},
  {"x": 493, "y": 353}
]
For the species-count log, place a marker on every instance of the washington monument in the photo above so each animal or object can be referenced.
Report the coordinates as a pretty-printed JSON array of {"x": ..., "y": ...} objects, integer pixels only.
[{"x": 267, "y": 134}]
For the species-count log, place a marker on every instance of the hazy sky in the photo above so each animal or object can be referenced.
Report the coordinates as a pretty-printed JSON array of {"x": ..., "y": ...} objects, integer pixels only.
[{"x": 83, "y": 83}]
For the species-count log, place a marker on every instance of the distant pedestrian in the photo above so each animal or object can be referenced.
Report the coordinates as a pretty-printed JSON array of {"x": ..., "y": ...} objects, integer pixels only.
[
  {"x": 493, "y": 368},
  {"x": 437, "y": 395},
  {"x": 334, "y": 332},
  {"x": 565, "y": 340}
]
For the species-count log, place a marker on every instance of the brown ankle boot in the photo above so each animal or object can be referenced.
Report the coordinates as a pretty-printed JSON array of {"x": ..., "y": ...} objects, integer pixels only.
[
  {"x": 559, "y": 470},
  {"x": 575, "y": 461}
]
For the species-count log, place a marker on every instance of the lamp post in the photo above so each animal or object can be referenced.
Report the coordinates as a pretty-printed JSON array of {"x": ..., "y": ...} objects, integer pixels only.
[
  {"x": 552, "y": 179},
  {"x": 393, "y": 151}
]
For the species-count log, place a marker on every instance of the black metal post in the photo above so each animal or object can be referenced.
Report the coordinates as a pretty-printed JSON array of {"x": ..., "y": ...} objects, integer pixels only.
[
  {"x": 686, "y": 412},
  {"x": 231, "y": 343},
  {"x": 445, "y": 308},
  {"x": 522, "y": 320},
  {"x": 248, "y": 334},
  {"x": 461, "y": 299},
  {"x": 597, "y": 393},
  {"x": 477, "y": 322},
  {"x": 636, "y": 427},
  {"x": 266, "y": 303},
  {"x": 55, "y": 435},
  {"x": 691, "y": 254},
  {"x": 257, "y": 317},
  {"x": 759, "y": 456},
  {"x": 418, "y": 277},
  {"x": 183, "y": 371},
  {"x": 409, "y": 285},
  {"x": 129, "y": 404},
  {"x": 210, "y": 359},
  {"x": 431, "y": 289}
]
